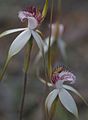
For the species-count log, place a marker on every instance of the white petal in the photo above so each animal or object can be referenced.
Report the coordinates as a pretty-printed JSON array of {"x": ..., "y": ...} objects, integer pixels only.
[
  {"x": 38, "y": 40},
  {"x": 46, "y": 41},
  {"x": 67, "y": 76},
  {"x": 61, "y": 29},
  {"x": 11, "y": 31},
  {"x": 23, "y": 15},
  {"x": 59, "y": 84},
  {"x": 50, "y": 99},
  {"x": 55, "y": 28},
  {"x": 68, "y": 102},
  {"x": 32, "y": 23},
  {"x": 62, "y": 47},
  {"x": 75, "y": 91},
  {"x": 19, "y": 43}
]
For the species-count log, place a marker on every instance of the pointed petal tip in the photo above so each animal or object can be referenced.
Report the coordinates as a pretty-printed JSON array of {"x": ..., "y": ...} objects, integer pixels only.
[
  {"x": 76, "y": 92},
  {"x": 50, "y": 99},
  {"x": 19, "y": 43},
  {"x": 38, "y": 40},
  {"x": 68, "y": 102},
  {"x": 7, "y": 32}
]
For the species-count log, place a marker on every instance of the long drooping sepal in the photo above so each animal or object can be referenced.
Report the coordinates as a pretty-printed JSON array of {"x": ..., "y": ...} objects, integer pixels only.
[
  {"x": 19, "y": 43},
  {"x": 38, "y": 40},
  {"x": 15, "y": 47},
  {"x": 53, "y": 109},
  {"x": 39, "y": 55},
  {"x": 44, "y": 12},
  {"x": 68, "y": 102},
  {"x": 7, "y": 32},
  {"x": 50, "y": 99},
  {"x": 75, "y": 91}
]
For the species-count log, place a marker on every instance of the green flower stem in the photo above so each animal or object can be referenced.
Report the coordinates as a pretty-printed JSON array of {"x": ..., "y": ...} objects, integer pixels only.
[
  {"x": 52, "y": 112},
  {"x": 26, "y": 67},
  {"x": 46, "y": 86},
  {"x": 59, "y": 8},
  {"x": 49, "y": 53},
  {"x": 4, "y": 68},
  {"x": 49, "y": 49}
]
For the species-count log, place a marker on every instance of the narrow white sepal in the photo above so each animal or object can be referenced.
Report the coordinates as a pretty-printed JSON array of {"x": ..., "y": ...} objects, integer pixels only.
[
  {"x": 68, "y": 102},
  {"x": 75, "y": 91},
  {"x": 43, "y": 81},
  {"x": 46, "y": 41},
  {"x": 62, "y": 47},
  {"x": 19, "y": 43},
  {"x": 38, "y": 40},
  {"x": 50, "y": 99},
  {"x": 7, "y": 32}
]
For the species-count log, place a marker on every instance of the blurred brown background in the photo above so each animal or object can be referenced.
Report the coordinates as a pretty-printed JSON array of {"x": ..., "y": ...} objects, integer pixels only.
[{"x": 74, "y": 16}]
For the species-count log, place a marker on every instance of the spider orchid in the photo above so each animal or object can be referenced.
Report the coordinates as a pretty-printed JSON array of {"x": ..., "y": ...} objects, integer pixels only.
[
  {"x": 61, "y": 43},
  {"x": 59, "y": 77},
  {"x": 34, "y": 18}
]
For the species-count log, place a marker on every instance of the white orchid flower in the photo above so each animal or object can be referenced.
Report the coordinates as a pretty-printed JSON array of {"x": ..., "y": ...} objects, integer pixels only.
[
  {"x": 34, "y": 18},
  {"x": 61, "y": 43},
  {"x": 58, "y": 78}
]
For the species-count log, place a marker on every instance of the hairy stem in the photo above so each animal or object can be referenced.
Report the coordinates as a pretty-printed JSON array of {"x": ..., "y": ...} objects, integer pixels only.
[{"x": 26, "y": 67}]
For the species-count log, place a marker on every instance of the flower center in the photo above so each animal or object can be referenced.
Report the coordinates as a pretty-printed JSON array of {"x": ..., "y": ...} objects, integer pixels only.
[
  {"x": 31, "y": 12},
  {"x": 55, "y": 75},
  {"x": 60, "y": 74},
  {"x": 32, "y": 23}
]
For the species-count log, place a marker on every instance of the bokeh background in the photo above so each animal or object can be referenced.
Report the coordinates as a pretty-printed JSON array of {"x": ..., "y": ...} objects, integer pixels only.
[{"x": 74, "y": 17}]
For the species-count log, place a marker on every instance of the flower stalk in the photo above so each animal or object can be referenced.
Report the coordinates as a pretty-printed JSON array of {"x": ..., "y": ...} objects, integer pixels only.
[
  {"x": 59, "y": 8},
  {"x": 4, "y": 69},
  {"x": 49, "y": 49},
  {"x": 26, "y": 67}
]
